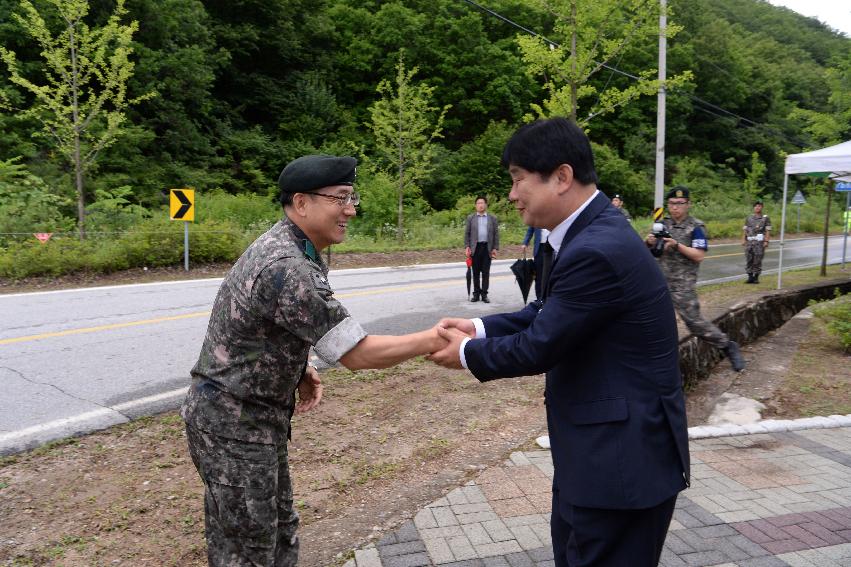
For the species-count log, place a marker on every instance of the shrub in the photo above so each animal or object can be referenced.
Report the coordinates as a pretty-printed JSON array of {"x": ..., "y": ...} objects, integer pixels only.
[
  {"x": 242, "y": 210},
  {"x": 153, "y": 242},
  {"x": 837, "y": 315},
  {"x": 54, "y": 257}
]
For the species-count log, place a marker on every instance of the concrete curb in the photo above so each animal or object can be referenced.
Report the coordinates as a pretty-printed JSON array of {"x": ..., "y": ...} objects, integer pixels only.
[{"x": 769, "y": 426}]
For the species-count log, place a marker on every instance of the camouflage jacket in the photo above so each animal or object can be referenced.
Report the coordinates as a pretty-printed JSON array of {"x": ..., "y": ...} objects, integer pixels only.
[
  {"x": 680, "y": 272},
  {"x": 757, "y": 225},
  {"x": 271, "y": 307}
]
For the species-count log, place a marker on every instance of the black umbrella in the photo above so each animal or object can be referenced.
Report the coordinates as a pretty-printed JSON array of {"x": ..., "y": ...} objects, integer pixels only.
[
  {"x": 524, "y": 273},
  {"x": 469, "y": 274}
]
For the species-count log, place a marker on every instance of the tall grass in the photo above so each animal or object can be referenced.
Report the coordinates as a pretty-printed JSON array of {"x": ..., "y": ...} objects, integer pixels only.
[{"x": 227, "y": 224}]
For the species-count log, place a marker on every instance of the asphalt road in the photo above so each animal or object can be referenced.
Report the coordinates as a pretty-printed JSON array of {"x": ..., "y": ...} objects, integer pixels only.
[{"x": 73, "y": 361}]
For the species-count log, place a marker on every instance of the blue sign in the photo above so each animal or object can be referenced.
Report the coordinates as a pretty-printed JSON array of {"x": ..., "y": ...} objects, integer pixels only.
[{"x": 843, "y": 186}]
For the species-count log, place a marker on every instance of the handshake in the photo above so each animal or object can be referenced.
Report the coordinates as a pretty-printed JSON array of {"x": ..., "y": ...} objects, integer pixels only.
[
  {"x": 448, "y": 335},
  {"x": 441, "y": 344}
]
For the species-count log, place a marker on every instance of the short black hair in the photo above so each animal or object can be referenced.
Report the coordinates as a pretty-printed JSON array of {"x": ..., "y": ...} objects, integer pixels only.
[
  {"x": 482, "y": 197},
  {"x": 543, "y": 145},
  {"x": 286, "y": 199}
]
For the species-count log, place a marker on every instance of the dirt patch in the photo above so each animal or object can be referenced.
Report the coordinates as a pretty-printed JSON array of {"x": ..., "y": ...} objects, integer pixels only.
[
  {"x": 381, "y": 445},
  {"x": 818, "y": 381},
  {"x": 798, "y": 370}
]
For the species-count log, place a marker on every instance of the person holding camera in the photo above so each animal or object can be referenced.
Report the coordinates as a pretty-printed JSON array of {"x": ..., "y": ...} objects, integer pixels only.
[{"x": 680, "y": 246}]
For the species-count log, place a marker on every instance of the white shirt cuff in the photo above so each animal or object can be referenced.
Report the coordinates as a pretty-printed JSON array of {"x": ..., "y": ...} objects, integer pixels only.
[
  {"x": 480, "y": 328},
  {"x": 461, "y": 352},
  {"x": 480, "y": 334}
]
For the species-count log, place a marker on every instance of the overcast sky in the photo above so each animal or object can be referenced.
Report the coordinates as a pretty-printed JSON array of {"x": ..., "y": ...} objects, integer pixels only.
[{"x": 835, "y": 13}]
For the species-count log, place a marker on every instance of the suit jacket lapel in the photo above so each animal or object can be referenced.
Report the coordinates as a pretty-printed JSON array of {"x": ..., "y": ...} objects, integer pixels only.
[{"x": 594, "y": 208}]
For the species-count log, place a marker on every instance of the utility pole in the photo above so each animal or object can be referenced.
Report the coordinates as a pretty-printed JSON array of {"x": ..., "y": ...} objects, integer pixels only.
[{"x": 660, "y": 106}]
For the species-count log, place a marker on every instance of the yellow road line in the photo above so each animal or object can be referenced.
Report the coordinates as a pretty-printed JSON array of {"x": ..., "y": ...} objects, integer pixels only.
[
  {"x": 112, "y": 326},
  {"x": 101, "y": 328}
]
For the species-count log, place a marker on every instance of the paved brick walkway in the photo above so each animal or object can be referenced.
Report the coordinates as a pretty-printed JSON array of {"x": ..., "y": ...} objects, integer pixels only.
[{"x": 757, "y": 500}]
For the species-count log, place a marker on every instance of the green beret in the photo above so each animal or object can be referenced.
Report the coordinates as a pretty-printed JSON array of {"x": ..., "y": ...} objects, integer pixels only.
[
  {"x": 678, "y": 192},
  {"x": 309, "y": 173}
]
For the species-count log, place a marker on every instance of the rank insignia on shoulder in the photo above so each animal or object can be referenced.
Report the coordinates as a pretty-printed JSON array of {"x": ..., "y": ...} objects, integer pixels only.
[{"x": 320, "y": 282}]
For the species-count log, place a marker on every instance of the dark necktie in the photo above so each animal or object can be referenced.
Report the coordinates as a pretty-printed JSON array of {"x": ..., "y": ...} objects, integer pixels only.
[{"x": 546, "y": 251}]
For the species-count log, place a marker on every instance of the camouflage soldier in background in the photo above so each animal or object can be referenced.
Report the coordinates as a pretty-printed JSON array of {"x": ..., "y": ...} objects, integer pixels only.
[
  {"x": 680, "y": 261},
  {"x": 273, "y": 305},
  {"x": 617, "y": 202},
  {"x": 755, "y": 238}
]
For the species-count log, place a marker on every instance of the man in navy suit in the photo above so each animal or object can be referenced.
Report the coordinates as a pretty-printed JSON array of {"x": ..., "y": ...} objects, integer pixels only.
[{"x": 605, "y": 334}]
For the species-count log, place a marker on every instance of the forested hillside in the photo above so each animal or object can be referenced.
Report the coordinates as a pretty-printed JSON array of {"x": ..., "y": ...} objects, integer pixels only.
[{"x": 240, "y": 87}]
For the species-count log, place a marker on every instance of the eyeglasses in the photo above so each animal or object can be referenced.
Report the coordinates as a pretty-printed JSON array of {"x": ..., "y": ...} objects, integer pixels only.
[
  {"x": 343, "y": 200},
  {"x": 677, "y": 203}
]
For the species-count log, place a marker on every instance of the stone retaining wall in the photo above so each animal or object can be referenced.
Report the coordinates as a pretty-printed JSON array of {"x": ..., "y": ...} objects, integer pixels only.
[{"x": 746, "y": 322}]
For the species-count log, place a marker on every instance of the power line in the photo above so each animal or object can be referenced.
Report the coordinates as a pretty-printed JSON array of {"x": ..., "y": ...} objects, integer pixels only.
[{"x": 694, "y": 98}]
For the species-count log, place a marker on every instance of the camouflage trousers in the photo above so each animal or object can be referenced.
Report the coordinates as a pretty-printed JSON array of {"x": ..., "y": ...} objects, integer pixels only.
[
  {"x": 688, "y": 307},
  {"x": 248, "y": 501},
  {"x": 754, "y": 251}
]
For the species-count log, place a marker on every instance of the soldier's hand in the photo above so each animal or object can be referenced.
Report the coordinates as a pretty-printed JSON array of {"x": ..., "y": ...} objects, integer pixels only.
[
  {"x": 309, "y": 391},
  {"x": 436, "y": 341},
  {"x": 449, "y": 356},
  {"x": 670, "y": 243},
  {"x": 650, "y": 240}
]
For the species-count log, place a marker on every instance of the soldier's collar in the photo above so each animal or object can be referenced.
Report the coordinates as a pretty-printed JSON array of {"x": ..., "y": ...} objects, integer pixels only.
[{"x": 303, "y": 242}]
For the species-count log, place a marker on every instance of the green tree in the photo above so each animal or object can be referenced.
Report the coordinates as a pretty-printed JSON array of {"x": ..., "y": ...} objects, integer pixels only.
[
  {"x": 405, "y": 129},
  {"x": 27, "y": 204},
  {"x": 594, "y": 33},
  {"x": 753, "y": 177},
  {"x": 832, "y": 123},
  {"x": 82, "y": 101}
]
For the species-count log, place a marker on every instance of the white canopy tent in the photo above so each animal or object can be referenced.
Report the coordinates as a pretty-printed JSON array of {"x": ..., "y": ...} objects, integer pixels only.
[{"x": 834, "y": 161}]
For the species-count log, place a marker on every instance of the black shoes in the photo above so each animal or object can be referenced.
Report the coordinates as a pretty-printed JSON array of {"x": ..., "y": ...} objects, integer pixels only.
[
  {"x": 735, "y": 355},
  {"x": 753, "y": 278},
  {"x": 485, "y": 299},
  {"x": 475, "y": 298}
]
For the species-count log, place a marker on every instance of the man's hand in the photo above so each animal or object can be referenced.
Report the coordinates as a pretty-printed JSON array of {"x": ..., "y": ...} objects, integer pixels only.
[
  {"x": 650, "y": 241},
  {"x": 436, "y": 342},
  {"x": 466, "y": 326},
  {"x": 468, "y": 252},
  {"x": 670, "y": 243},
  {"x": 525, "y": 249},
  {"x": 493, "y": 253},
  {"x": 309, "y": 391},
  {"x": 449, "y": 356}
]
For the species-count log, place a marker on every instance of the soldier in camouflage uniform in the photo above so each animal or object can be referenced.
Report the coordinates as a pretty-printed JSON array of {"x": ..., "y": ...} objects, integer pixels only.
[
  {"x": 755, "y": 236},
  {"x": 274, "y": 304},
  {"x": 680, "y": 261},
  {"x": 617, "y": 202}
]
